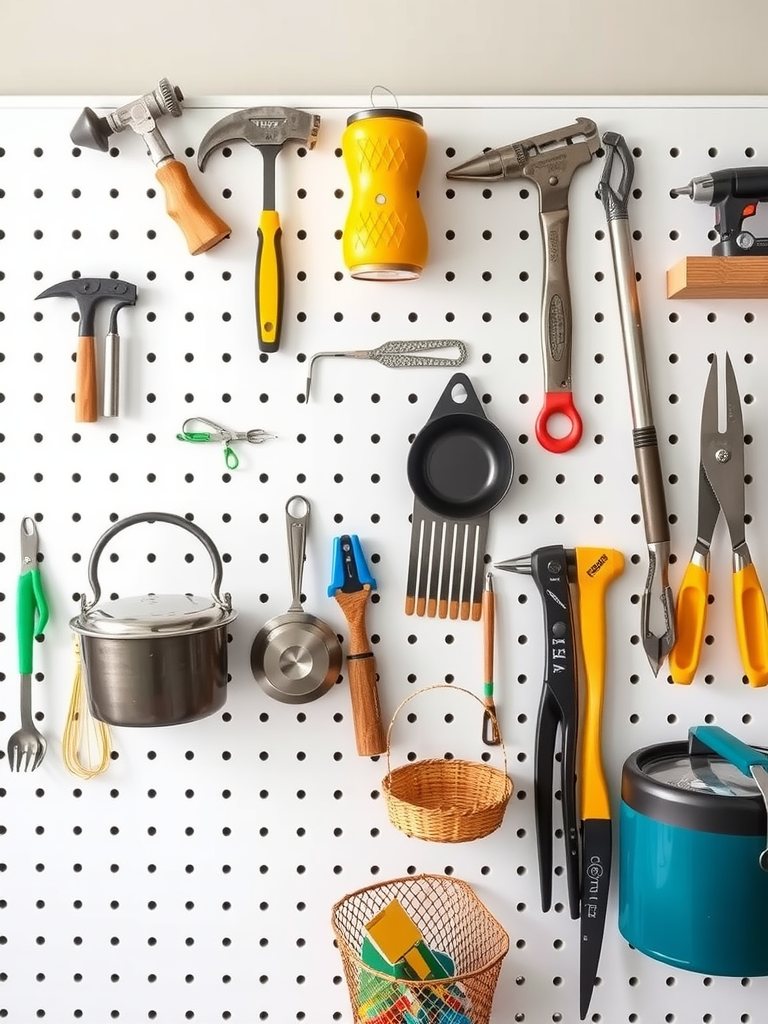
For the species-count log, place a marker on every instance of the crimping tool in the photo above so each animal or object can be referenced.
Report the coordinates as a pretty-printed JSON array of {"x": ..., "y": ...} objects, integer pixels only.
[{"x": 351, "y": 585}]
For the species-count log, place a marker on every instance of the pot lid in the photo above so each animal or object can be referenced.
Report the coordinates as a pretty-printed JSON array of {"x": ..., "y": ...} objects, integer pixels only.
[
  {"x": 702, "y": 775},
  {"x": 705, "y": 793},
  {"x": 152, "y": 615}
]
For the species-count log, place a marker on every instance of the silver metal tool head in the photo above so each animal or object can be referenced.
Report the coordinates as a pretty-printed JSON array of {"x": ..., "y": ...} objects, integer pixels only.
[
  {"x": 260, "y": 126},
  {"x": 722, "y": 452},
  {"x": 93, "y": 132},
  {"x": 555, "y": 154}
]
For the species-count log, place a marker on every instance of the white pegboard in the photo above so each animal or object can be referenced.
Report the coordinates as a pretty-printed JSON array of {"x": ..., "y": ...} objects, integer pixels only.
[{"x": 194, "y": 880}]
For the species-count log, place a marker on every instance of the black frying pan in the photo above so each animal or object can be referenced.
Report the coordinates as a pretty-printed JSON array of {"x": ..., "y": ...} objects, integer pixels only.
[{"x": 460, "y": 464}]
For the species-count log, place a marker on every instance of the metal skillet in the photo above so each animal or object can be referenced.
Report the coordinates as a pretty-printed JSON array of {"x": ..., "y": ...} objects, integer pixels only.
[{"x": 296, "y": 657}]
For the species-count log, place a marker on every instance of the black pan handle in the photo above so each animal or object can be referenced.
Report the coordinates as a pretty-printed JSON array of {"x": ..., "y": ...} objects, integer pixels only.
[{"x": 469, "y": 403}]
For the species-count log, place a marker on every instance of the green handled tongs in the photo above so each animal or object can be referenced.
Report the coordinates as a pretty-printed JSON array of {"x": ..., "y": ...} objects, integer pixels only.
[{"x": 649, "y": 474}]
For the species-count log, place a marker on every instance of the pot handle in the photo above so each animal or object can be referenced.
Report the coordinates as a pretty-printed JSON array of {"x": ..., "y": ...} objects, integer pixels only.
[
  {"x": 705, "y": 738},
  {"x": 223, "y": 601},
  {"x": 453, "y": 401}
]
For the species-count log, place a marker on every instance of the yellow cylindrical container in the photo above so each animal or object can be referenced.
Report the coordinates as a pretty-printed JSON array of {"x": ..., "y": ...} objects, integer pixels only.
[{"x": 385, "y": 236}]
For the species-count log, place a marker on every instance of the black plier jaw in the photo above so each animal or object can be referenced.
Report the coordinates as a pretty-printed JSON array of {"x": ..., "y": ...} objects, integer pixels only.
[{"x": 558, "y": 708}]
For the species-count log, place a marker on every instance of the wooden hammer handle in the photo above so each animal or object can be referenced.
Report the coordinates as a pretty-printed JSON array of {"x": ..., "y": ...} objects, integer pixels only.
[
  {"x": 201, "y": 226},
  {"x": 361, "y": 670},
  {"x": 86, "y": 403}
]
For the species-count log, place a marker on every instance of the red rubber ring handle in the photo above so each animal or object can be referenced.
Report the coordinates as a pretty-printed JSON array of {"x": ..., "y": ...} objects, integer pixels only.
[{"x": 558, "y": 402}]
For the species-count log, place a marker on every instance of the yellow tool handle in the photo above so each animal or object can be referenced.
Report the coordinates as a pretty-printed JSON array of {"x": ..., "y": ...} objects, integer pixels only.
[
  {"x": 201, "y": 226},
  {"x": 690, "y": 619},
  {"x": 86, "y": 404},
  {"x": 269, "y": 281},
  {"x": 596, "y": 568},
  {"x": 751, "y": 624}
]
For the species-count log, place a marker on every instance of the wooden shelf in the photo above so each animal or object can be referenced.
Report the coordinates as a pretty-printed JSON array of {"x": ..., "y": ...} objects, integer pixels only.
[{"x": 719, "y": 277}]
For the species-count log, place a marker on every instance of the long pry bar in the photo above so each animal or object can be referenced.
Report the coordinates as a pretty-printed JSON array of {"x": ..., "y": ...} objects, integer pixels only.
[{"x": 657, "y": 645}]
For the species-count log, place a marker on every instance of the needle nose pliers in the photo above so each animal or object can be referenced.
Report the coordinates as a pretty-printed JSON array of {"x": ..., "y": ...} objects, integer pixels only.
[{"x": 721, "y": 488}]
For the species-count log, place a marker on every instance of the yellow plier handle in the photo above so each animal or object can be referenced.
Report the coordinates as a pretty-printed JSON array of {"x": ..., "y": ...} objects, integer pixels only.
[
  {"x": 750, "y": 615},
  {"x": 690, "y": 620},
  {"x": 751, "y": 624}
]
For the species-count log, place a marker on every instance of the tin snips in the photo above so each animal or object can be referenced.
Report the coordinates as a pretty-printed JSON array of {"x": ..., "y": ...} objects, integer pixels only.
[{"x": 548, "y": 160}]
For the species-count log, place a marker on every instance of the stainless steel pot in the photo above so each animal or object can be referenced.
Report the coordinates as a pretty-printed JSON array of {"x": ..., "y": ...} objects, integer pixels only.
[{"x": 160, "y": 659}]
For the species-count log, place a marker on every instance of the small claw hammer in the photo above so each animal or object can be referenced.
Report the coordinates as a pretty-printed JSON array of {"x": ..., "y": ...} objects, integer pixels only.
[{"x": 550, "y": 161}]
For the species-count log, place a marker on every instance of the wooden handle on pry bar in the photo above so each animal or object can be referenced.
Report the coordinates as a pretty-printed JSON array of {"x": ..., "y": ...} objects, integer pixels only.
[
  {"x": 361, "y": 670},
  {"x": 86, "y": 404},
  {"x": 201, "y": 226}
]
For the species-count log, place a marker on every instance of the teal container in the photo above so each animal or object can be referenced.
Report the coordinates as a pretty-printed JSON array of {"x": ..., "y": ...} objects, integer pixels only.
[{"x": 692, "y": 828}]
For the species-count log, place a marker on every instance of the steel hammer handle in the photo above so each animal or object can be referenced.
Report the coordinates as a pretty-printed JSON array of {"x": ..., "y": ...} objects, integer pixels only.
[
  {"x": 202, "y": 228},
  {"x": 86, "y": 408}
]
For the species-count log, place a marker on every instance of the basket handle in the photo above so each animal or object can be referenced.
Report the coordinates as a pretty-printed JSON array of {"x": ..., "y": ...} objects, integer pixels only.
[{"x": 455, "y": 689}]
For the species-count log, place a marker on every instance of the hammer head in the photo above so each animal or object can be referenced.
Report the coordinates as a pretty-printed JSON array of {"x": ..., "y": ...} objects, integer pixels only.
[
  {"x": 260, "y": 126},
  {"x": 88, "y": 292},
  {"x": 93, "y": 132}
]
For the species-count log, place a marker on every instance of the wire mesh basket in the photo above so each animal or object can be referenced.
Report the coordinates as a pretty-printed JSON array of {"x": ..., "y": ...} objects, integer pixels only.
[{"x": 453, "y": 921}]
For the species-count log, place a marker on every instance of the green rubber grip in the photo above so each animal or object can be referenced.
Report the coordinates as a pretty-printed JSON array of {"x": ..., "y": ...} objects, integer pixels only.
[{"x": 31, "y": 616}]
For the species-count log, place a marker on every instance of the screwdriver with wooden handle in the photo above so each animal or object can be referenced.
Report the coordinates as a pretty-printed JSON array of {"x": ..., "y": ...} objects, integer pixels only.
[{"x": 351, "y": 585}]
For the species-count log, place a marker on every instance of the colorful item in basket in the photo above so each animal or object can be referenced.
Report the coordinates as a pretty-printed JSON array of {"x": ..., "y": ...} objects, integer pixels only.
[
  {"x": 382, "y": 1002},
  {"x": 398, "y": 939}
]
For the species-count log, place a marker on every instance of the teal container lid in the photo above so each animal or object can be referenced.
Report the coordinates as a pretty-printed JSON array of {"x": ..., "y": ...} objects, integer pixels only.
[{"x": 703, "y": 793}]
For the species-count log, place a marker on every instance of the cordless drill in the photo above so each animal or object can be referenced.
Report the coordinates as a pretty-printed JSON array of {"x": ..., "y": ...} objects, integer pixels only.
[{"x": 735, "y": 193}]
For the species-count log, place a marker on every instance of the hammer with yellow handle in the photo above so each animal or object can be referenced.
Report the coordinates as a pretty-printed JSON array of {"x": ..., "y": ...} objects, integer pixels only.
[
  {"x": 201, "y": 227},
  {"x": 266, "y": 129}
]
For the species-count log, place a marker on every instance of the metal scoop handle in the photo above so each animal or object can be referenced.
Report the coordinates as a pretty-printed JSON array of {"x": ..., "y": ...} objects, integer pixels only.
[{"x": 297, "y": 545}]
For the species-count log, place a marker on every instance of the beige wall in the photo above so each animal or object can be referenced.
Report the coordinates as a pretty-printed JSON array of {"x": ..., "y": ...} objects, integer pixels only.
[{"x": 416, "y": 47}]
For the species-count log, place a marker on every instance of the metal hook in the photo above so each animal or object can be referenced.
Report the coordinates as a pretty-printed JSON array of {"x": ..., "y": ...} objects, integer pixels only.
[{"x": 386, "y": 90}]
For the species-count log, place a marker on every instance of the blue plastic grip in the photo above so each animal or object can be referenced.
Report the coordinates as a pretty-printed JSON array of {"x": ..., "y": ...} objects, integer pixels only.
[{"x": 338, "y": 576}]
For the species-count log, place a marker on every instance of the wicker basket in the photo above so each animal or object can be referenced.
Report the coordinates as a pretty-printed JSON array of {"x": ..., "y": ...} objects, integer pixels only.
[
  {"x": 453, "y": 920},
  {"x": 445, "y": 800}
]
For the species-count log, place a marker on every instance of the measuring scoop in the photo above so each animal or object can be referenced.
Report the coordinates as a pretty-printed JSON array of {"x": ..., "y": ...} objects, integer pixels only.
[{"x": 296, "y": 657}]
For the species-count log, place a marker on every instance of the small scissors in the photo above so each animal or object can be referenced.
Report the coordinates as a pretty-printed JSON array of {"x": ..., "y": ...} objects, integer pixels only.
[{"x": 221, "y": 434}]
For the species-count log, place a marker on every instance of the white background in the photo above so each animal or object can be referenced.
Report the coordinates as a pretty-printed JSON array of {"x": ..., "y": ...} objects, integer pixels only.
[{"x": 217, "y": 949}]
